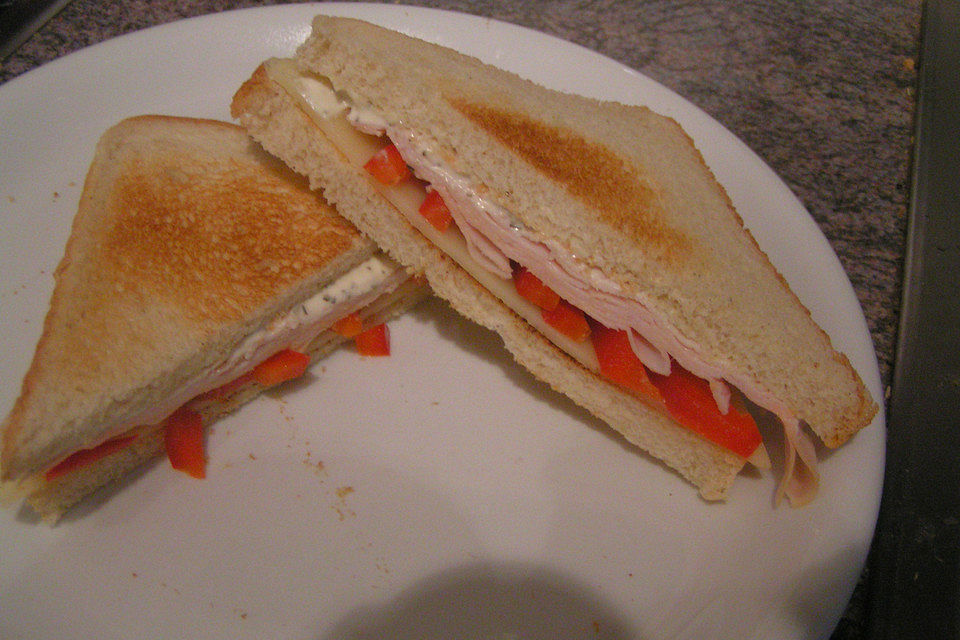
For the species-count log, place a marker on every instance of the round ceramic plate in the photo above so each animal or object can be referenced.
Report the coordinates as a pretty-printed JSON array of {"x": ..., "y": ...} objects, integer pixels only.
[{"x": 438, "y": 493}]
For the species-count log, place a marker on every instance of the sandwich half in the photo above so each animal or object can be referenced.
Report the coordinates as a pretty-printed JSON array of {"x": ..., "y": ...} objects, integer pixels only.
[
  {"x": 590, "y": 235},
  {"x": 199, "y": 272}
]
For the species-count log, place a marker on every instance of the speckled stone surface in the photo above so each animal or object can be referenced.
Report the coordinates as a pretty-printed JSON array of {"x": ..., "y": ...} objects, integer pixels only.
[{"x": 823, "y": 92}]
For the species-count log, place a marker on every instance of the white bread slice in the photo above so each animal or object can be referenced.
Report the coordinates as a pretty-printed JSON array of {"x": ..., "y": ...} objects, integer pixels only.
[
  {"x": 188, "y": 239},
  {"x": 273, "y": 118},
  {"x": 619, "y": 186}
]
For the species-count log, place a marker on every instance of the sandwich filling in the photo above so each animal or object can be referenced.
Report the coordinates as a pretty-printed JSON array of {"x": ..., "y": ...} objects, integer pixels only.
[
  {"x": 367, "y": 289},
  {"x": 295, "y": 330},
  {"x": 490, "y": 243}
]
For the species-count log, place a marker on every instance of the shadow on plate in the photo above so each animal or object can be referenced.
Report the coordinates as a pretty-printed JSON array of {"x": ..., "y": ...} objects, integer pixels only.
[{"x": 500, "y": 601}]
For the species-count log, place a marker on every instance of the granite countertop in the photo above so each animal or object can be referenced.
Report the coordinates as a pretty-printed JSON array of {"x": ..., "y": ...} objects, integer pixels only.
[{"x": 823, "y": 92}]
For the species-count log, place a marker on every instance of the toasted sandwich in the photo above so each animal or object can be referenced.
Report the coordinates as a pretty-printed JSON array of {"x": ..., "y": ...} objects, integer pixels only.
[
  {"x": 199, "y": 272},
  {"x": 590, "y": 235}
]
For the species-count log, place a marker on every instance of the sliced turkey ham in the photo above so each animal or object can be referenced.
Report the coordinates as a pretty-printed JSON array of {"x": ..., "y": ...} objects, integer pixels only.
[
  {"x": 491, "y": 234},
  {"x": 493, "y": 239}
]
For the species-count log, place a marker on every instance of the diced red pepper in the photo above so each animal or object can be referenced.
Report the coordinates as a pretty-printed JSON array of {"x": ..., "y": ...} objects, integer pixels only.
[
  {"x": 533, "y": 290},
  {"x": 375, "y": 341},
  {"x": 88, "y": 456},
  {"x": 183, "y": 439},
  {"x": 348, "y": 326},
  {"x": 435, "y": 210},
  {"x": 387, "y": 166},
  {"x": 280, "y": 367},
  {"x": 568, "y": 320},
  {"x": 618, "y": 362},
  {"x": 691, "y": 403}
]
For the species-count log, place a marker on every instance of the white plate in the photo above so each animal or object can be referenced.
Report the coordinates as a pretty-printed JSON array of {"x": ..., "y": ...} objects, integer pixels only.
[{"x": 439, "y": 493}]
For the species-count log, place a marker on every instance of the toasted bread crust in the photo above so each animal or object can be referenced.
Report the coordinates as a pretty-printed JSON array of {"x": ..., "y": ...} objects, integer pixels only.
[
  {"x": 673, "y": 240},
  {"x": 146, "y": 295},
  {"x": 272, "y": 117}
]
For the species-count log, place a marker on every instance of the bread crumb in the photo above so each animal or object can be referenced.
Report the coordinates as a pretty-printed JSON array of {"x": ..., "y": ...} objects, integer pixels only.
[{"x": 341, "y": 508}]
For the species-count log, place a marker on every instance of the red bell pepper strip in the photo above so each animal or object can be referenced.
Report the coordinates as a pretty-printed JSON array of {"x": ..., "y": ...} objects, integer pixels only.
[
  {"x": 183, "y": 439},
  {"x": 532, "y": 289},
  {"x": 690, "y": 401},
  {"x": 280, "y": 367},
  {"x": 88, "y": 456},
  {"x": 568, "y": 320},
  {"x": 618, "y": 362},
  {"x": 375, "y": 341},
  {"x": 435, "y": 210},
  {"x": 348, "y": 326},
  {"x": 685, "y": 396},
  {"x": 387, "y": 166}
]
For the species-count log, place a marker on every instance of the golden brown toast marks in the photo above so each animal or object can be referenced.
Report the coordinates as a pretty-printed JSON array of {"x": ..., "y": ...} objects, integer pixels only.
[{"x": 587, "y": 170}]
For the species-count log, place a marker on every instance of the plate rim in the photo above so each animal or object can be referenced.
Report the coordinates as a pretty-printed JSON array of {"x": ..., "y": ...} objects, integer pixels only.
[{"x": 51, "y": 68}]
